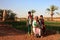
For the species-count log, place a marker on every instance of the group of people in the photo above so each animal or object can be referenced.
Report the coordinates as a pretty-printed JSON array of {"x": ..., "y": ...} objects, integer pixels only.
[{"x": 36, "y": 25}]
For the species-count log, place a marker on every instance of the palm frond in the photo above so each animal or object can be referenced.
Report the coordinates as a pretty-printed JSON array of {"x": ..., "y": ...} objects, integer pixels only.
[
  {"x": 53, "y": 8},
  {"x": 57, "y": 13},
  {"x": 33, "y": 11},
  {"x": 48, "y": 9}
]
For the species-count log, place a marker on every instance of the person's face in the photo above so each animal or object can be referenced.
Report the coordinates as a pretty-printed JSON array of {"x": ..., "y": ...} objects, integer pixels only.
[
  {"x": 41, "y": 17},
  {"x": 29, "y": 14},
  {"x": 36, "y": 18}
]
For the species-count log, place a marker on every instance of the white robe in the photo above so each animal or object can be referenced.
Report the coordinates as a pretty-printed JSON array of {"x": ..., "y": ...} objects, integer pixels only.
[{"x": 36, "y": 30}]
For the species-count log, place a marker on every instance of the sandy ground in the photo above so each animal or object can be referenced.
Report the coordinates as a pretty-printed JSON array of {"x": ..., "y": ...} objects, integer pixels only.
[{"x": 9, "y": 33}]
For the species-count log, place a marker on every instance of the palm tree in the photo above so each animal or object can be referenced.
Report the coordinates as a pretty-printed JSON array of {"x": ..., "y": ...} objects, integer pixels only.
[
  {"x": 32, "y": 11},
  {"x": 58, "y": 13},
  {"x": 51, "y": 10},
  {"x": 1, "y": 10},
  {"x": 8, "y": 13},
  {"x": 1, "y": 14},
  {"x": 12, "y": 16}
]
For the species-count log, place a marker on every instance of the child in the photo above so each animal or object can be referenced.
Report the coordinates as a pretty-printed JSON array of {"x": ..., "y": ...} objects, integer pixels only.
[
  {"x": 36, "y": 27},
  {"x": 41, "y": 21},
  {"x": 29, "y": 22}
]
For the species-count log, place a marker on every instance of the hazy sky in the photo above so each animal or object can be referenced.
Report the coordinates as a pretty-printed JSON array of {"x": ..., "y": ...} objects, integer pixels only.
[{"x": 21, "y": 7}]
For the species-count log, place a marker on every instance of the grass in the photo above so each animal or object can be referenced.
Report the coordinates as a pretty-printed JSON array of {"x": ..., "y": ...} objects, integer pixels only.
[
  {"x": 56, "y": 23},
  {"x": 57, "y": 28},
  {"x": 49, "y": 25},
  {"x": 53, "y": 25},
  {"x": 22, "y": 25}
]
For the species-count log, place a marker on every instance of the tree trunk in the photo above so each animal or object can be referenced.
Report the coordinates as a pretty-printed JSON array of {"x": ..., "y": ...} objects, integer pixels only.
[
  {"x": 51, "y": 15},
  {"x": 3, "y": 15},
  {"x": 32, "y": 16}
]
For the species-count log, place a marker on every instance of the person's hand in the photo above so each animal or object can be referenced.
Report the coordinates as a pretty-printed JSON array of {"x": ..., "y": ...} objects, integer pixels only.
[
  {"x": 27, "y": 24},
  {"x": 44, "y": 25}
]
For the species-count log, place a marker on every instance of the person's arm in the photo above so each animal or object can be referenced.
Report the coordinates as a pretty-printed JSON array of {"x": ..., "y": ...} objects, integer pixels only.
[
  {"x": 43, "y": 23},
  {"x": 27, "y": 22},
  {"x": 34, "y": 24}
]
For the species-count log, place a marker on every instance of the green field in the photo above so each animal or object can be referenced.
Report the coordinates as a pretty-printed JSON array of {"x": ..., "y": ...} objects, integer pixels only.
[
  {"x": 49, "y": 26},
  {"x": 22, "y": 25}
]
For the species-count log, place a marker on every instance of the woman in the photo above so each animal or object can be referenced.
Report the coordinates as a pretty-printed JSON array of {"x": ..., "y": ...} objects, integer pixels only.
[{"x": 36, "y": 27}]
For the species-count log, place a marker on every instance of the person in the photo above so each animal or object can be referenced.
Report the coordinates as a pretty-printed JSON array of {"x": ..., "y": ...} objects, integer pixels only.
[
  {"x": 29, "y": 22},
  {"x": 41, "y": 21},
  {"x": 36, "y": 27}
]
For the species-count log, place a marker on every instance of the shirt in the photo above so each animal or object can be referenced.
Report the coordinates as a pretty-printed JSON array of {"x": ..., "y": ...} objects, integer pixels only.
[
  {"x": 30, "y": 20},
  {"x": 35, "y": 23}
]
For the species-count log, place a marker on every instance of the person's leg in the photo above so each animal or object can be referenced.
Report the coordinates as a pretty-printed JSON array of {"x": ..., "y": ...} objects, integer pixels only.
[
  {"x": 29, "y": 29},
  {"x": 39, "y": 32},
  {"x": 44, "y": 30},
  {"x": 34, "y": 31}
]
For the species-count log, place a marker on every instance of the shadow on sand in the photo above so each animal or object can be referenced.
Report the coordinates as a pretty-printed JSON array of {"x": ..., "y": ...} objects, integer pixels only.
[
  {"x": 52, "y": 30},
  {"x": 10, "y": 31}
]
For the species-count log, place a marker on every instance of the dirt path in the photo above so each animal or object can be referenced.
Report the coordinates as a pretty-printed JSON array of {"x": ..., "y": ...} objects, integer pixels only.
[{"x": 9, "y": 33}]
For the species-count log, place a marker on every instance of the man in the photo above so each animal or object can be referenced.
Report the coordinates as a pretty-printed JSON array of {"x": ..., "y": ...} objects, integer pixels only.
[
  {"x": 29, "y": 22},
  {"x": 41, "y": 21}
]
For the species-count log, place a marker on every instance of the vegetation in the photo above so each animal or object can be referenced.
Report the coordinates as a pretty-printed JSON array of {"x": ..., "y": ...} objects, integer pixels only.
[
  {"x": 51, "y": 10},
  {"x": 9, "y": 14},
  {"x": 32, "y": 11},
  {"x": 22, "y": 25}
]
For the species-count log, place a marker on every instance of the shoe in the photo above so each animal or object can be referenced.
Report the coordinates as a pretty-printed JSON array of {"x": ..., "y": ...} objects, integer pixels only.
[
  {"x": 39, "y": 36},
  {"x": 28, "y": 34}
]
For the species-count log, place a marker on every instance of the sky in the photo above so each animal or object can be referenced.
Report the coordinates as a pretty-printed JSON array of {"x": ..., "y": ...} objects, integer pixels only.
[{"x": 21, "y": 7}]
